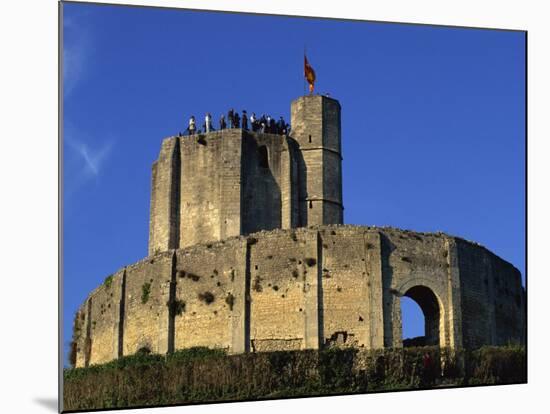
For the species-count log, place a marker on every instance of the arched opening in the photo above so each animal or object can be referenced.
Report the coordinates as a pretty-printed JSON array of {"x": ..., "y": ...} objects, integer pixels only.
[
  {"x": 412, "y": 322},
  {"x": 262, "y": 157},
  {"x": 420, "y": 317}
]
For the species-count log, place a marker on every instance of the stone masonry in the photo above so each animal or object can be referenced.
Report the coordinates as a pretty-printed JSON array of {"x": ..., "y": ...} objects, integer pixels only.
[{"x": 247, "y": 252}]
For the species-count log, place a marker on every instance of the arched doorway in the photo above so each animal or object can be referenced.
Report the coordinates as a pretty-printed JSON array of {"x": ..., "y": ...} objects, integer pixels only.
[{"x": 429, "y": 305}]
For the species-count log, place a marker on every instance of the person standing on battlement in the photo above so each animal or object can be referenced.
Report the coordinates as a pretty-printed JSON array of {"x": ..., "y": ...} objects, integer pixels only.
[
  {"x": 281, "y": 126},
  {"x": 253, "y": 124},
  {"x": 262, "y": 123},
  {"x": 245, "y": 120},
  {"x": 236, "y": 120},
  {"x": 223, "y": 125},
  {"x": 192, "y": 128},
  {"x": 208, "y": 122},
  {"x": 230, "y": 118}
]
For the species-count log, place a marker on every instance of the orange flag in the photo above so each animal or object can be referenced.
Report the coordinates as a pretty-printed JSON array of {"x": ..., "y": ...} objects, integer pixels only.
[{"x": 309, "y": 74}]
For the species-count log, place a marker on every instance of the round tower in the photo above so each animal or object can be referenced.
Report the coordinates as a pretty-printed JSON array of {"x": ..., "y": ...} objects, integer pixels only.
[{"x": 316, "y": 127}]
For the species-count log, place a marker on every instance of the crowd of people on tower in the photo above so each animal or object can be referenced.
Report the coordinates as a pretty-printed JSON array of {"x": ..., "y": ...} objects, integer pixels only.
[{"x": 263, "y": 124}]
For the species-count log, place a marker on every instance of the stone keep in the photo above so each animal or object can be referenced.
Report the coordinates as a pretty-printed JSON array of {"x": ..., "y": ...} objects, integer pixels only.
[
  {"x": 235, "y": 182},
  {"x": 247, "y": 252}
]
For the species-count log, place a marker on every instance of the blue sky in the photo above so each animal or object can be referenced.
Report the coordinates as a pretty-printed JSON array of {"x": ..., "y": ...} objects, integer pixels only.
[{"x": 433, "y": 125}]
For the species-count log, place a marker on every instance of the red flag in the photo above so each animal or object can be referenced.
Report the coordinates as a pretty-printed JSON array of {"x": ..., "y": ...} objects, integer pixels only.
[{"x": 309, "y": 74}]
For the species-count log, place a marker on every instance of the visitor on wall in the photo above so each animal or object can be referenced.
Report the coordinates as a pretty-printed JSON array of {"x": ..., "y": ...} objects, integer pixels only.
[
  {"x": 191, "y": 128},
  {"x": 245, "y": 120}
]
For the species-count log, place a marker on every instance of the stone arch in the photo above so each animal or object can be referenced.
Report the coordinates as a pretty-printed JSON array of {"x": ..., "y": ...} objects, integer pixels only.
[{"x": 429, "y": 300}]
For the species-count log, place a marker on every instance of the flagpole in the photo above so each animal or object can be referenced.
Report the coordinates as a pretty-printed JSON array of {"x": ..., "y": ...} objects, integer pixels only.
[{"x": 303, "y": 75}]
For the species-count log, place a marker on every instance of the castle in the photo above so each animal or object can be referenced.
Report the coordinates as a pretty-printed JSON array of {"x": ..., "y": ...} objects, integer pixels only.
[{"x": 248, "y": 252}]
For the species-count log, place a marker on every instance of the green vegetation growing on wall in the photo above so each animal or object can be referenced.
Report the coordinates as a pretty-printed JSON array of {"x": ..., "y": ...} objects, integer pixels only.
[
  {"x": 202, "y": 375},
  {"x": 145, "y": 292},
  {"x": 108, "y": 281}
]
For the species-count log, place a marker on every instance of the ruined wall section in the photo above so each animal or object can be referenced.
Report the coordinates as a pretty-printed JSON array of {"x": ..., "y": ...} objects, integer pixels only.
[
  {"x": 211, "y": 296},
  {"x": 163, "y": 222},
  {"x": 414, "y": 259},
  {"x": 105, "y": 320},
  {"x": 265, "y": 172},
  {"x": 210, "y": 189},
  {"x": 80, "y": 337},
  {"x": 491, "y": 291},
  {"x": 303, "y": 288},
  {"x": 146, "y": 304},
  {"x": 477, "y": 296},
  {"x": 509, "y": 302},
  {"x": 351, "y": 287},
  {"x": 283, "y": 290},
  {"x": 96, "y": 327}
]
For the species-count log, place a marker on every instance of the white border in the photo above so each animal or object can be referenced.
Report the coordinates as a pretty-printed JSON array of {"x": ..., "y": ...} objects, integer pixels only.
[{"x": 28, "y": 294}]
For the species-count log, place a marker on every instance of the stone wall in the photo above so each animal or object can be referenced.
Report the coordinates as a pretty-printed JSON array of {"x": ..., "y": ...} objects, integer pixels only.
[
  {"x": 209, "y": 187},
  {"x": 210, "y": 288},
  {"x": 303, "y": 288},
  {"x": 352, "y": 287},
  {"x": 493, "y": 303},
  {"x": 283, "y": 291},
  {"x": 105, "y": 317},
  {"x": 146, "y": 311},
  {"x": 210, "y": 202},
  {"x": 262, "y": 181},
  {"x": 163, "y": 227}
]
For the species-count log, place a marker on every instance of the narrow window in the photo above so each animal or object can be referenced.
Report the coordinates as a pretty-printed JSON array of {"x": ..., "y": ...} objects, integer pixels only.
[
  {"x": 310, "y": 204},
  {"x": 262, "y": 157},
  {"x": 310, "y": 139}
]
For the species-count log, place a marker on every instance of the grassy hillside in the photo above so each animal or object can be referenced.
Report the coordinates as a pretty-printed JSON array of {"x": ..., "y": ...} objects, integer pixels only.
[{"x": 204, "y": 375}]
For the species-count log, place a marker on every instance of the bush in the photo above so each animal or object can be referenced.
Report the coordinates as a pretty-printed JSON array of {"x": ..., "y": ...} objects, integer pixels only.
[
  {"x": 497, "y": 365},
  {"x": 195, "y": 353},
  {"x": 201, "y": 374},
  {"x": 108, "y": 281}
]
